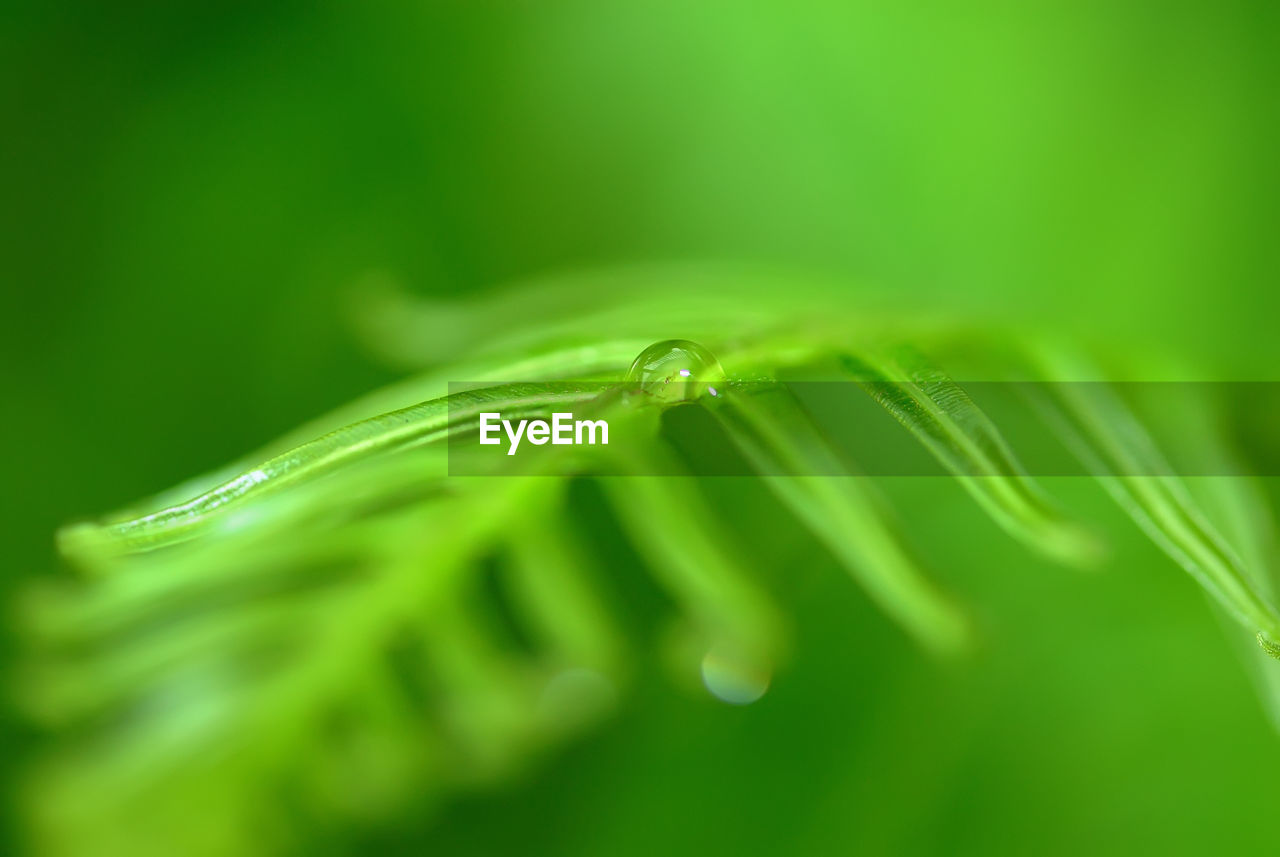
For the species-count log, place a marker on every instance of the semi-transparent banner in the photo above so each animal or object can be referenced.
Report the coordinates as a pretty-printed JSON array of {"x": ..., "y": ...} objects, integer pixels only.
[{"x": 808, "y": 428}]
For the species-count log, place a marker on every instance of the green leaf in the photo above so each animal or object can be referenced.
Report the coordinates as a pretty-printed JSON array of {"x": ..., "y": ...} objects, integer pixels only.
[
  {"x": 776, "y": 435},
  {"x": 423, "y": 423},
  {"x": 690, "y": 553},
  {"x": 1115, "y": 447},
  {"x": 940, "y": 414}
]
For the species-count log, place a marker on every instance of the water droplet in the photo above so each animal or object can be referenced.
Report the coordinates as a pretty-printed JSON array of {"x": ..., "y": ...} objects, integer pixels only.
[
  {"x": 677, "y": 370},
  {"x": 734, "y": 679}
]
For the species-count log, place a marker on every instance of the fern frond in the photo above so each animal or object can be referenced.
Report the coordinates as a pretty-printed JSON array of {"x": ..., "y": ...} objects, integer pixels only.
[{"x": 315, "y": 624}]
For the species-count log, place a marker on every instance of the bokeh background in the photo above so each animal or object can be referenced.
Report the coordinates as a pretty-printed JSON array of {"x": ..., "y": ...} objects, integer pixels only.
[{"x": 192, "y": 198}]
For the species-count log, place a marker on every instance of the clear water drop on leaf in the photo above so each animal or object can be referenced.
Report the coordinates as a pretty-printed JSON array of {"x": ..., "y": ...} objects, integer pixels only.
[
  {"x": 677, "y": 370},
  {"x": 732, "y": 678}
]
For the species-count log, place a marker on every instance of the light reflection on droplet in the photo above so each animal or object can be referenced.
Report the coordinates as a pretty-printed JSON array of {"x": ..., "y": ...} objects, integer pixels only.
[
  {"x": 676, "y": 370},
  {"x": 733, "y": 679}
]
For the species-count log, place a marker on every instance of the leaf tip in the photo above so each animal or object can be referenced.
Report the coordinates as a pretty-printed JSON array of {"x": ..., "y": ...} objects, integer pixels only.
[{"x": 1270, "y": 646}]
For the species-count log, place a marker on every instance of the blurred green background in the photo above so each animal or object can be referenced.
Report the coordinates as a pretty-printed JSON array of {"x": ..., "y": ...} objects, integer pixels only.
[{"x": 193, "y": 195}]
